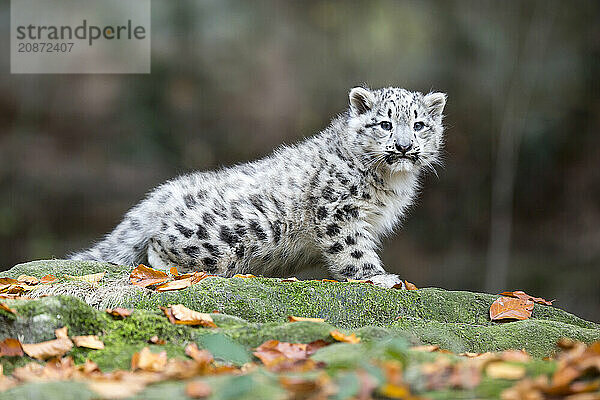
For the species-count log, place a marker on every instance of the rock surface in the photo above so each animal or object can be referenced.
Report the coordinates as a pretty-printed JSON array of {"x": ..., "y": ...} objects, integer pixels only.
[{"x": 253, "y": 310}]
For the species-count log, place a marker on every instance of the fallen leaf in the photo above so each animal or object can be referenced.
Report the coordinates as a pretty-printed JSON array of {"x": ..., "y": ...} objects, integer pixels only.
[
  {"x": 197, "y": 390},
  {"x": 299, "y": 385},
  {"x": 244, "y": 276},
  {"x": 116, "y": 389},
  {"x": 428, "y": 348},
  {"x": 181, "y": 315},
  {"x": 200, "y": 356},
  {"x": 8, "y": 281},
  {"x": 511, "y": 308},
  {"x": 173, "y": 271},
  {"x": 504, "y": 370},
  {"x": 394, "y": 391},
  {"x": 30, "y": 280},
  {"x": 360, "y": 281},
  {"x": 312, "y": 347},
  {"x": 174, "y": 285},
  {"x": 7, "y": 308},
  {"x": 522, "y": 295},
  {"x": 329, "y": 280},
  {"x": 291, "y": 279},
  {"x": 283, "y": 356},
  {"x": 291, "y": 318},
  {"x": 156, "y": 340},
  {"x": 11, "y": 347},
  {"x": 340, "y": 337},
  {"x": 51, "y": 348},
  {"x": 149, "y": 361},
  {"x": 92, "y": 279},
  {"x": 47, "y": 279},
  {"x": 62, "y": 333},
  {"x": 144, "y": 276},
  {"x": 410, "y": 286},
  {"x": 89, "y": 342},
  {"x": 119, "y": 312}
]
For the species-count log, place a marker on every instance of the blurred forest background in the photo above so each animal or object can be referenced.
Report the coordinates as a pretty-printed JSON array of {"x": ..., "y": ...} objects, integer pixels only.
[{"x": 517, "y": 205}]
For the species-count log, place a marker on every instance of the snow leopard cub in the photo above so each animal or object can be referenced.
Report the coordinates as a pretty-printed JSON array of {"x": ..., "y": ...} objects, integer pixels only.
[{"x": 326, "y": 201}]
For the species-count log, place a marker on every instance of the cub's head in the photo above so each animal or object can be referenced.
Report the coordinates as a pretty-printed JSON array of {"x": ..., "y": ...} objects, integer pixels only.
[{"x": 396, "y": 129}]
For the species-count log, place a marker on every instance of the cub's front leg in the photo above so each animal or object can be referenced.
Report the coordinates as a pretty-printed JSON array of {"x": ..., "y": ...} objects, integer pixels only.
[{"x": 350, "y": 253}]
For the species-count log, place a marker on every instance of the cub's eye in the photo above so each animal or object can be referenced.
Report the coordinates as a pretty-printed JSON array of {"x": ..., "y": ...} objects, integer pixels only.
[
  {"x": 418, "y": 126},
  {"x": 386, "y": 125}
]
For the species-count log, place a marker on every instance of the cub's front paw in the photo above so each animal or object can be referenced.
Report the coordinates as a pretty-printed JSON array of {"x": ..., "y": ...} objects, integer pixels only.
[{"x": 387, "y": 281}]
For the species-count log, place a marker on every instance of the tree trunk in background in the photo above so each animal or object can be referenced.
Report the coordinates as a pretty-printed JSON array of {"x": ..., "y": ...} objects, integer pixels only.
[{"x": 512, "y": 129}]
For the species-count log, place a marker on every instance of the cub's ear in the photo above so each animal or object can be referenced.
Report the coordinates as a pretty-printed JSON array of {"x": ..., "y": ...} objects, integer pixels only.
[
  {"x": 435, "y": 103},
  {"x": 361, "y": 100}
]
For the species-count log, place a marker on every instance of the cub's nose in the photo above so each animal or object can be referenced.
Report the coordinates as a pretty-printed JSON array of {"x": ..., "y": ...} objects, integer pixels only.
[{"x": 404, "y": 147}]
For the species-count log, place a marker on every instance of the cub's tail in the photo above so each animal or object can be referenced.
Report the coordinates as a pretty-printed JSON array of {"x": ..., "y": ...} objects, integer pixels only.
[{"x": 127, "y": 244}]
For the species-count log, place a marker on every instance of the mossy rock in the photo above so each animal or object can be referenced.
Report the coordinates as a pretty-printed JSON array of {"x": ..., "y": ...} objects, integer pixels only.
[{"x": 256, "y": 309}]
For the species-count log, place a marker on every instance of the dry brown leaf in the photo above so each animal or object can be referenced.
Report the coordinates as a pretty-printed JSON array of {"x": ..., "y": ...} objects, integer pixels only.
[
  {"x": 156, "y": 340},
  {"x": 89, "y": 342},
  {"x": 92, "y": 279},
  {"x": 505, "y": 370},
  {"x": 47, "y": 279},
  {"x": 51, "y": 348},
  {"x": 119, "y": 312},
  {"x": 283, "y": 356},
  {"x": 7, "y": 308},
  {"x": 360, "y": 281},
  {"x": 291, "y": 318},
  {"x": 329, "y": 280},
  {"x": 173, "y": 271},
  {"x": 197, "y": 390},
  {"x": 511, "y": 308},
  {"x": 181, "y": 315},
  {"x": 8, "y": 281},
  {"x": 428, "y": 348},
  {"x": 112, "y": 389},
  {"x": 340, "y": 337},
  {"x": 200, "y": 356},
  {"x": 149, "y": 361},
  {"x": 11, "y": 347},
  {"x": 177, "y": 284},
  {"x": 312, "y": 347},
  {"x": 62, "y": 333},
  {"x": 300, "y": 386},
  {"x": 30, "y": 280},
  {"x": 244, "y": 276},
  {"x": 144, "y": 276},
  {"x": 515, "y": 355},
  {"x": 410, "y": 286},
  {"x": 522, "y": 295}
]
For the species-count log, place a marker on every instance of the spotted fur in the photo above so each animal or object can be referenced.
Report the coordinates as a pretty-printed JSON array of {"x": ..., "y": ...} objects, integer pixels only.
[{"x": 325, "y": 201}]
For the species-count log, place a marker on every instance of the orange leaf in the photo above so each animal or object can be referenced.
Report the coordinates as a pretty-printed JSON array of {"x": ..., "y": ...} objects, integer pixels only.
[
  {"x": 360, "y": 281},
  {"x": 156, "y": 340},
  {"x": 197, "y": 390},
  {"x": 200, "y": 356},
  {"x": 328, "y": 280},
  {"x": 51, "y": 348},
  {"x": 291, "y": 318},
  {"x": 410, "y": 286},
  {"x": 7, "y": 308},
  {"x": 173, "y": 271},
  {"x": 510, "y": 308},
  {"x": 119, "y": 312},
  {"x": 62, "y": 333},
  {"x": 48, "y": 279},
  {"x": 89, "y": 342},
  {"x": 92, "y": 279},
  {"x": 11, "y": 347},
  {"x": 340, "y": 337},
  {"x": 149, "y": 361},
  {"x": 174, "y": 285},
  {"x": 116, "y": 389},
  {"x": 181, "y": 315},
  {"x": 144, "y": 276},
  {"x": 504, "y": 370},
  {"x": 244, "y": 276},
  {"x": 30, "y": 280},
  {"x": 274, "y": 352},
  {"x": 522, "y": 295}
]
